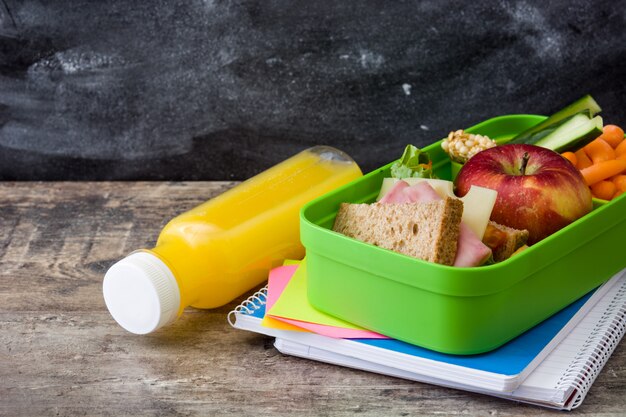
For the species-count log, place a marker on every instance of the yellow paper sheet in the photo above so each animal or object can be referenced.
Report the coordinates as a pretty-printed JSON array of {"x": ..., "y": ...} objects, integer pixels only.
[{"x": 294, "y": 304}]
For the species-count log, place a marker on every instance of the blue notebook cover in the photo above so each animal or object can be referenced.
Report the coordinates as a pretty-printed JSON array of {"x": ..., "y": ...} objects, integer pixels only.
[{"x": 509, "y": 359}]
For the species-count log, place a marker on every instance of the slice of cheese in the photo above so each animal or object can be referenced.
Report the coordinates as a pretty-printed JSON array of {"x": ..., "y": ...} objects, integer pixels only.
[
  {"x": 477, "y": 203},
  {"x": 477, "y": 206}
]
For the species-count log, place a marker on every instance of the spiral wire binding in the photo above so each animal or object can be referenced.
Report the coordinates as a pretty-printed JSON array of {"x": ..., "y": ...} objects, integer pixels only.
[
  {"x": 252, "y": 303},
  {"x": 597, "y": 349}
]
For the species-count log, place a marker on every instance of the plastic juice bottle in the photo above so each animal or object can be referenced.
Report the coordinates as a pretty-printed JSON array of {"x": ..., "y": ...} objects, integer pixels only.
[{"x": 217, "y": 251}]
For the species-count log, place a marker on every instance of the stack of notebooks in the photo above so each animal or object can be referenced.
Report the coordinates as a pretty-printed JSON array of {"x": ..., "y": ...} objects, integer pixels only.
[{"x": 553, "y": 364}]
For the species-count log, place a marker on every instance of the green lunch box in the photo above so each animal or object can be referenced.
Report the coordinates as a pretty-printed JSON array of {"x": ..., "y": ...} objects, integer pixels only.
[{"x": 449, "y": 309}]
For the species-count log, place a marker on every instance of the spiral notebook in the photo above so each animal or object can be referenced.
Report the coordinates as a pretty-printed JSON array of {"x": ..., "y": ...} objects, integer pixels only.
[
  {"x": 500, "y": 370},
  {"x": 560, "y": 380}
]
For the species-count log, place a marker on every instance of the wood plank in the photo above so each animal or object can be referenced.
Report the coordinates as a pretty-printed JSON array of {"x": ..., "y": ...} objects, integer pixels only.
[{"x": 62, "y": 354}]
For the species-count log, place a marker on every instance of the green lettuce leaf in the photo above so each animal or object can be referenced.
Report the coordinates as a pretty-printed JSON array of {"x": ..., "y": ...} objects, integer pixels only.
[{"x": 414, "y": 163}]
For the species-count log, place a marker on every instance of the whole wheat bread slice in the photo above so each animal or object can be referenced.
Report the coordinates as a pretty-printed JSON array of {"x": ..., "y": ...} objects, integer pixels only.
[
  {"x": 504, "y": 240},
  {"x": 428, "y": 231}
]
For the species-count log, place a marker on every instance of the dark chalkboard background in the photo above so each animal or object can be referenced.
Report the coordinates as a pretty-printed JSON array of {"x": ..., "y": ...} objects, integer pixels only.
[{"x": 210, "y": 89}]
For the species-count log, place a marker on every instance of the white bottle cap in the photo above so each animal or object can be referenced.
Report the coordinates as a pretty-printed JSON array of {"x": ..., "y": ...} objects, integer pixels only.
[{"x": 141, "y": 293}]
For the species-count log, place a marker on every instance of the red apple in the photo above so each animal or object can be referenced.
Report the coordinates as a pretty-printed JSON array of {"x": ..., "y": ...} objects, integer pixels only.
[{"x": 538, "y": 189}]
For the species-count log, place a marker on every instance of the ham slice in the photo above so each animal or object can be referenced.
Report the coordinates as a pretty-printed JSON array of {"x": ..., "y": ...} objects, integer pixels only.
[
  {"x": 402, "y": 192},
  {"x": 396, "y": 194},
  {"x": 471, "y": 251}
]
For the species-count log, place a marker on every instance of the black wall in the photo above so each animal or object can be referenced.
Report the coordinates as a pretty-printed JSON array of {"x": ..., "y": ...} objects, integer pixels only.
[{"x": 210, "y": 89}]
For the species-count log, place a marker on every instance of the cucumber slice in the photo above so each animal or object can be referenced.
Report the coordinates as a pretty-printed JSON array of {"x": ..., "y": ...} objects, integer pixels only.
[
  {"x": 570, "y": 138},
  {"x": 585, "y": 103},
  {"x": 569, "y": 134}
]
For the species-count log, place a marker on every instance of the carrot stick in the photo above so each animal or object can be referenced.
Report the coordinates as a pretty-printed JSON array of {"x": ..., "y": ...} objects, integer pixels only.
[
  {"x": 620, "y": 182},
  {"x": 599, "y": 150},
  {"x": 603, "y": 170},
  {"x": 613, "y": 135},
  {"x": 621, "y": 148},
  {"x": 582, "y": 160},
  {"x": 570, "y": 156},
  {"x": 603, "y": 190}
]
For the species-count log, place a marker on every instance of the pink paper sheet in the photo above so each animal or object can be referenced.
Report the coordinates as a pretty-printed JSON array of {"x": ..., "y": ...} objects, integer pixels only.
[{"x": 277, "y": 281}]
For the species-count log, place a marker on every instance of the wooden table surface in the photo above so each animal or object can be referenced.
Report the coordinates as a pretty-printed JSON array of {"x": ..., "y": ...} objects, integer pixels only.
[{"x": 61, "y": 353}]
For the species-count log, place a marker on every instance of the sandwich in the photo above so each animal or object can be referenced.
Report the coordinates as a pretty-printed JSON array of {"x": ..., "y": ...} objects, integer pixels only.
[
  {"x": 504, "y": 241},
  {"x": 416, "y": 221}
]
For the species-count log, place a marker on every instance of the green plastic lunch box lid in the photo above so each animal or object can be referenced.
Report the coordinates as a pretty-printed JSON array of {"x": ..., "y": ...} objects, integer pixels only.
[{"x": 445, "y": 308}]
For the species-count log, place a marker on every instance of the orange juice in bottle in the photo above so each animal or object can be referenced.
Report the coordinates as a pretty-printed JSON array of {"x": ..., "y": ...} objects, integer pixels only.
[{"x": 224, "y": 247}]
